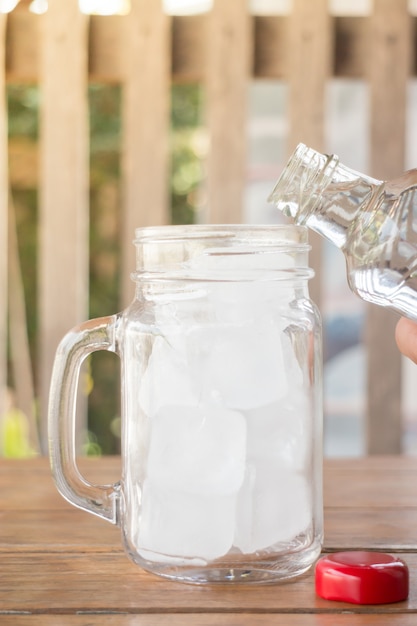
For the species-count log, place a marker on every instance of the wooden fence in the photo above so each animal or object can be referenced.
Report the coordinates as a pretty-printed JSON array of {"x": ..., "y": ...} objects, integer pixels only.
[{"x": 225, "y": 49}]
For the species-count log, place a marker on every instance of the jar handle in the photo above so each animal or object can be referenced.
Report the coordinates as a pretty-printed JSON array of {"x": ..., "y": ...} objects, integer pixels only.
[{"x": 76, "y": 345}]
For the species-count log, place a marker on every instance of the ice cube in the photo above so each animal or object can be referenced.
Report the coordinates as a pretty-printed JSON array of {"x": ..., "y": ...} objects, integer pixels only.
[
  {"x": 197, "y": 450},
  {"x": 274, "y": 506},
  {"x": 195, "y": 468},
  {"x": 167, "y": 378},
  {"x": 244, "y": 280},
  {"x": 281, "y": 431},
  {"x": 176, "y": 310},
  {"x": 180, "y": 524},
  {"x": 240, "y": 367},
  {"x": 243, "y": 302}
]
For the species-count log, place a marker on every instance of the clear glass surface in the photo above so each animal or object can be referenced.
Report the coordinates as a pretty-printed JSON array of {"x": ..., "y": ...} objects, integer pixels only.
[
  {"x": 221, "y": 406},
  {"x": 372, "y": 221}
]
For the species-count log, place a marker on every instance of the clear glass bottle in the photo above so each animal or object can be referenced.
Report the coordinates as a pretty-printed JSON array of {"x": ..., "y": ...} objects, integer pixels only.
[
  {"x": 374, "y": 222},
  {"x": 221, "y": 372}
]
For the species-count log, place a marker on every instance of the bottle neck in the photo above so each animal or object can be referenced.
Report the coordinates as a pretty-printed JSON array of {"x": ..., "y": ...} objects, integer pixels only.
[{"x": 318, "y": 191}]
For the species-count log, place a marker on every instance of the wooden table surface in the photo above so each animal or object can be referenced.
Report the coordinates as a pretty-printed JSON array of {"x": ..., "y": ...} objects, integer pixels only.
[{"x": 63, "y": 567}]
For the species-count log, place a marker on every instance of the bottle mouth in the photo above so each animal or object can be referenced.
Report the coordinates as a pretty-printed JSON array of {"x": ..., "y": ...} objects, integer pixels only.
[{"x": 299, "y": 188}]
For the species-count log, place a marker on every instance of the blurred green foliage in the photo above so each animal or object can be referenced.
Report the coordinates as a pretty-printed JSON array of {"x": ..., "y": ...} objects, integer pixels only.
[
  {"x": 186, "y": 153},
  {"x": 23, "y": 106},
  {"x": 15, "y": 435},
  {"x": 187, "y": 157}
]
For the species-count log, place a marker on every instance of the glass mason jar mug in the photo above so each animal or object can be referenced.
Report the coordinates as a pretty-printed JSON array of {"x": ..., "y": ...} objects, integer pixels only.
[{"x": 221, "y": 373}]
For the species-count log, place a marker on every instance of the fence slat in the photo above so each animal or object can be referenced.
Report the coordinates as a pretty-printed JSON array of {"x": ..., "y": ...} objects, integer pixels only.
[
  {"x": 63, "y": 48},
  {"x": 18, "y": 336},
  {"x": 228, "y": 70},
  {"x": 389, "y": 57},
  {"x": 189, "y": 47},
  {"x": 350, "y": 39},
  {"x": 106, "y": 60},
  {"x": 22, "y": 45},
  {"x": 64, "y": 165},
  {"x": 4, "y": 185},
  {"x": 269, "y": 46},
  {"x": 145, "y": 127},
  {"x": 309, "y": 55}
]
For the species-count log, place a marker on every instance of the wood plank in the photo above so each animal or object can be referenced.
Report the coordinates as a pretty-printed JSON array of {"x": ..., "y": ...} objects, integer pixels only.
[
  {"x": 394, "y": 478},
  {"x": 69, "y": 530},
  {"x": 4, "y": 198},
  {"x": 350, "y": 40},
  {"x": 228, "y": 70},
  {"x": 23, "y": 46},
  {"x": 389, "y": 64},
  {"x": 106, "y": 38},
  {"x": 54, "y": 564},
  {"x": 331, "y": 618},
  {"x": 375, "y": 489},
  {"x": 99, "y": 468},
  {"x": 40, "y": 493},
  {"x": 356, "y": 514},
  {"x": 308, "y": 67},
  {"x": 270, "y": 44},
  {"x": 189, "y": 48},
  {"x": 381, "y": 463},
  {"x": 145, "y": 128},
  {"x": 68, "y": 583},
  {"x": 389, "y": 58},
  {"x": 375, "y": 528},
  {"x": 106, "y": 58},
  {"x": 64, "y": 167}
]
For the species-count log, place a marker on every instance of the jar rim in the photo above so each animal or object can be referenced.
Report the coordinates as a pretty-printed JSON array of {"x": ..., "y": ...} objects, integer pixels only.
[
  {"x": 222, "y": 252},
  {"x": 290, "y": 234}
]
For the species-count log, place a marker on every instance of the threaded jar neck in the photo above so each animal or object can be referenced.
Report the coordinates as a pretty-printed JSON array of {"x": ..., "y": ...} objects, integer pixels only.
[{"x": 222, "y": 252}]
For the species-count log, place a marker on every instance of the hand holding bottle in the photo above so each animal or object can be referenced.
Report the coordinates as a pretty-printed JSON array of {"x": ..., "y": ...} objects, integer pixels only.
[{"x": 406, "y": 338}]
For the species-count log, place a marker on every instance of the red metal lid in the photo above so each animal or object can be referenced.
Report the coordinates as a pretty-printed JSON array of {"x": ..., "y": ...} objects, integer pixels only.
[{"x": 362, "y": 577}]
